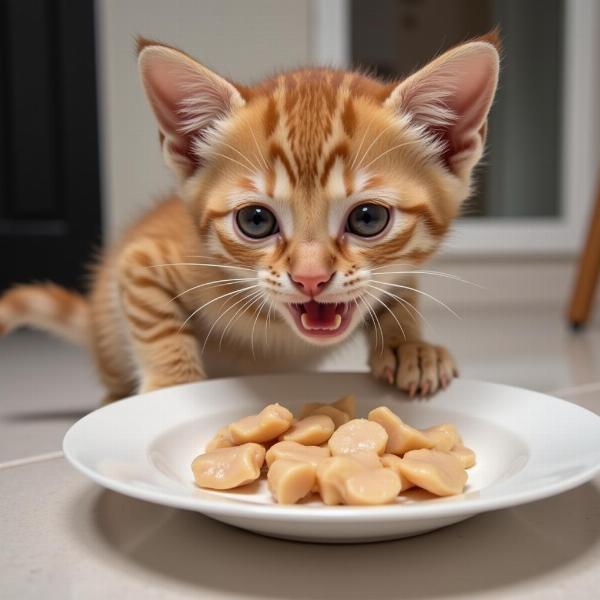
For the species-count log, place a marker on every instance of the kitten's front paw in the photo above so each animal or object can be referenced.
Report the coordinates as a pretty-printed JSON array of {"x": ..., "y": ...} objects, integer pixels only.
[{"x": 414, "y": 367}]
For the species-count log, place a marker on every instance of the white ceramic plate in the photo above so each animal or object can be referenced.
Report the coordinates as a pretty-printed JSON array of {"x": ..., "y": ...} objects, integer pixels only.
[{"x": 529, "y": 446}]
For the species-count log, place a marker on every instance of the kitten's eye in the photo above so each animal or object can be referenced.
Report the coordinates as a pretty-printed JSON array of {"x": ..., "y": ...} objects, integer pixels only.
[
  {"x": 368, "y": 220},
  {"x": 257, "y": 222}
]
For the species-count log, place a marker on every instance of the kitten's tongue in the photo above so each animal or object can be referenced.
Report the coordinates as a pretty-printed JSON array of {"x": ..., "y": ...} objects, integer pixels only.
[{"x": 320, "y": 316}]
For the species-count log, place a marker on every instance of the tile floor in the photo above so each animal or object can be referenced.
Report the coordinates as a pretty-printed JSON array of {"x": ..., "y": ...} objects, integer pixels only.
[{"x": 64, "y": 537}]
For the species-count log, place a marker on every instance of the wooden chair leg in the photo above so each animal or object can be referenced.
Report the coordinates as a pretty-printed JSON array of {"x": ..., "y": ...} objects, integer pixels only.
[{"x": 588, "y": 270}]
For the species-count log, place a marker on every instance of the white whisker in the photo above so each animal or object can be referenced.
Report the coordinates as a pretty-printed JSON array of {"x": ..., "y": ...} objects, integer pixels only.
[
  {"x": 215, "y": 299},
  {"x": 254, "y": 326},
  {"x": 376, "y": 323},
  {"x": 246, "y": 300},
  {"x": 379, "y": 327},
  {"x": 264, "y": 162},
  {"x": 388, "y": 151},
  {"x": 190, "y": 264},
  {"x": 218, "y": 257},
  {"x": 267, "y": 322},
  {"x": 249, "y": 302},
  {"x": 406, "y": 287},
  {"x": 373, "y": 143},
  {"x": 368, "y": 313},
  {"x": 233, "y": 160},
  {"x": 434, "y": 273},
  {"x": 406, "y": 305},
  {"x": 362, "y": 141},
  {"x": 217, "y": 283},
  {"x": 252, "y": 165},
  {"x": 224, "y": 313},
  {"x": 390, "y": 311}
]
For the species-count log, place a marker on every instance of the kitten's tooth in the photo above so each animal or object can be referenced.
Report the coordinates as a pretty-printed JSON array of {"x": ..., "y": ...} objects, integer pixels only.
[
  {"x": 338, "y": 322},
  {"x": 304, "y": 319},
  {"x": 335, "y": 325}
]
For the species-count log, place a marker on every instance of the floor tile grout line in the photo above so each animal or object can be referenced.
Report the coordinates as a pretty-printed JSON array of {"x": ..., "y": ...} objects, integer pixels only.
[{"x": 11, "y": 464}]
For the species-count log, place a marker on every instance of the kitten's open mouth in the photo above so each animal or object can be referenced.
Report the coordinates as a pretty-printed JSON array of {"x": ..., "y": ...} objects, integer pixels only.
[{"x": 318, "y": 319}]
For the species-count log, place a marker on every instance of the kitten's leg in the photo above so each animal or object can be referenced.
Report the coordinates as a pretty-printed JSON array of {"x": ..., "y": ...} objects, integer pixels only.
[
  {"x": 109, "y": 343},
  {"x": 407, "y": 361},
  {"x": 165, "y": 349},
  {"x": 113, "y": 363}
]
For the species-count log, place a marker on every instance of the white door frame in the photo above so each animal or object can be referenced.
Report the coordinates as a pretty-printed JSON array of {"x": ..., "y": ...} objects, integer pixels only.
[{"x": 580, "y": 129}]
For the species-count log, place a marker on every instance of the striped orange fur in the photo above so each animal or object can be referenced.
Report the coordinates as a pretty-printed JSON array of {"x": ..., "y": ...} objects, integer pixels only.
[{"x": 187, "y": 293}]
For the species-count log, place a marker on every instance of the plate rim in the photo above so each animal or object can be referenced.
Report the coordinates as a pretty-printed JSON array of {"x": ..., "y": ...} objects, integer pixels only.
[{"x": 300, "y": 513}]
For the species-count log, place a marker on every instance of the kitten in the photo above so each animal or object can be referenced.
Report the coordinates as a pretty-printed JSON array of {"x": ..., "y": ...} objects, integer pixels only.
[{"x": 301, "y": 202}]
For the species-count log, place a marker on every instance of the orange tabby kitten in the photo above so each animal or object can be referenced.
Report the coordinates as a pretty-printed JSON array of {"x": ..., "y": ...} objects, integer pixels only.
[{"x": 301, "y": 204}]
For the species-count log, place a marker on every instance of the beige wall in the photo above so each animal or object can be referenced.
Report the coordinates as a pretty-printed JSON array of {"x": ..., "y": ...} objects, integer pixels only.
[{"x": 243, "y": 40}]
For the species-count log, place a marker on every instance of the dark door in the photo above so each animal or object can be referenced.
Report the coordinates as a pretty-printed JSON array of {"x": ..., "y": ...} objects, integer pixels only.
[{"x": 50, "y": 218}]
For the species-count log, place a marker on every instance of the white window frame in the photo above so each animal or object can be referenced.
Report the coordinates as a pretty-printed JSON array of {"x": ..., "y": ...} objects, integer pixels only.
[{"x": 580, "y": 127}]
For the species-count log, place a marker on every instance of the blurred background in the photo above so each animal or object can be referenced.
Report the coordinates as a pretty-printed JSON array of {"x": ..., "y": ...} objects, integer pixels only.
[{"x": 79, "y": 154}]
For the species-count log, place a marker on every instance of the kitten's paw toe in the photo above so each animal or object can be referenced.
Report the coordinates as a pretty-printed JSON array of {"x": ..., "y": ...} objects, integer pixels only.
[
  {"x": 383, "y": 364},
  {"x": 428, "y": 369},
  {"x": 447, "y": 370},
  {"x": 417, "y": 368},
  {"x": 408, "y": 374}
]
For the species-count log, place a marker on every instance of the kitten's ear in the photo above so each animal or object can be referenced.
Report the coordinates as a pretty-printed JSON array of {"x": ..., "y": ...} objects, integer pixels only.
[
  {"x": 450, "y": 99},
  {"x": 187, "y": 99}
]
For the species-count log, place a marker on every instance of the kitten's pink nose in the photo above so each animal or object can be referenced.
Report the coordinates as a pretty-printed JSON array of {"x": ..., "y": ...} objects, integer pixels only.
[{"x": 313, "y": 283}]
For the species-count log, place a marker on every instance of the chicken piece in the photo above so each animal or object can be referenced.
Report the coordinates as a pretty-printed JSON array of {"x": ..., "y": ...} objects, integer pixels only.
[
  {"x": 228, "y": 468},
  {"x": 290, "y": 480},
  {"x": 401, "y": 437},
  {"x": 332, "y": 474},
  {"x": 372, "y": 487},
  {"x": 310, "y": 431},
  {"x": 346, "y": 404},
  {"x": 268, "y": 424},
  {"x": 440, "y": 473},
  {"x": 465, "y": 455},
  {"x": 391, "y": 461},
  {"x": 339, "y": 417},
  {"x": 443, "y": 437},
  {"x": 358, "y": 435},
  {"x": 340, "y": 411},
  {"x": 222, "y": 439},
  {"x": 298, "y": 452},
  {"x": 368, "y": 458},
  {"x": 344, "y": 480}
]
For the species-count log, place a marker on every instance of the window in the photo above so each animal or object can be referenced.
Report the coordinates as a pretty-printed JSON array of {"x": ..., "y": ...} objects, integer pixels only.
[{"x": 536, "y": 180}]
